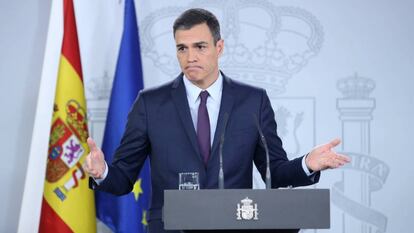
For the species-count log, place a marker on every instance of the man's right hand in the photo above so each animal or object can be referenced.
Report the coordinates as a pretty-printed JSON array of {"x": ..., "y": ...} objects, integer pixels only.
[{"x": 95, "y": 161}]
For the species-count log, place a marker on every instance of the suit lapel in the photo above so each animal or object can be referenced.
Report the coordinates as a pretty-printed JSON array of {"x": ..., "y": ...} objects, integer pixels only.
[
  {"x": 179, "y": 97},
  {"x": 226, "y": 106}
]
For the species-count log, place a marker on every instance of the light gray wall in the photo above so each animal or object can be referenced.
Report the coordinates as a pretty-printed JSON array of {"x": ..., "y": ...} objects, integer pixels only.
[
  {"x": 371, "y": 38},
  {"x": 23, "y": 31}
]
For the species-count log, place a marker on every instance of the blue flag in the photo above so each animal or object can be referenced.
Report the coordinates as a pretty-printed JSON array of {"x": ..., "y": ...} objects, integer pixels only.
[{"x": 126, "y": 213}]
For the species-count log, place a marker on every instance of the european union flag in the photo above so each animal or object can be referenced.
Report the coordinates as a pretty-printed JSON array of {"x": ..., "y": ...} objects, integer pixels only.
[{"x": 126, "y": 213}]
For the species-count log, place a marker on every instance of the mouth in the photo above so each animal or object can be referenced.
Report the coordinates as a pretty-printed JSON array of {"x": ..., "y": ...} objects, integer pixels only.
[{"x": 190, "y": 68}]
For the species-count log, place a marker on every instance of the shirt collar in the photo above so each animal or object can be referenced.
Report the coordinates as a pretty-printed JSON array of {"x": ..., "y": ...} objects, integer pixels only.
[{"x": 193, "y": 91}]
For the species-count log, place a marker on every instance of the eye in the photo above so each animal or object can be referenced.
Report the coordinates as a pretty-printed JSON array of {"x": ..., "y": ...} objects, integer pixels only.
[
  {"x": 201, "y": 47},
  {"x": 181, "y": 49}
]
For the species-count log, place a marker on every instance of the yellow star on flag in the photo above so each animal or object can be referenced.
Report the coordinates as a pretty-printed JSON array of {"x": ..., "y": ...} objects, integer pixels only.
[
  {"x": 144, "y": 218},
  {"x": 137, "y": 190}
]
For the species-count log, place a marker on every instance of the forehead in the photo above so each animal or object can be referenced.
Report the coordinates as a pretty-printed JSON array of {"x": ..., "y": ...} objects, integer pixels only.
[{"x": 197, "y": 33}]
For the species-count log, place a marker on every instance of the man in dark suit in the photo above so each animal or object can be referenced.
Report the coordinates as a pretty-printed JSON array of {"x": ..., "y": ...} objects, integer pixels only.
[{"x": 179, "y": 125}]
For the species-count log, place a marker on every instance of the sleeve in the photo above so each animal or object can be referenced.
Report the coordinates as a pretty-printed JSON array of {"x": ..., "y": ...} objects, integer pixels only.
[
  {"x": 130, "y": 155},
  {"x": 284, "y": 173}
]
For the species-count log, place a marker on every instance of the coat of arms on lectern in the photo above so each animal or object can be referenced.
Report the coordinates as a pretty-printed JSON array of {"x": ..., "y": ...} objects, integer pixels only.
[{"x": 247, "y": 210}]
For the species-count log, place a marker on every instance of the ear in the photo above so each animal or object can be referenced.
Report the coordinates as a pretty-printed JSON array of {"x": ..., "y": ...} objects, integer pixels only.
[{"x": 220, "y": 47}]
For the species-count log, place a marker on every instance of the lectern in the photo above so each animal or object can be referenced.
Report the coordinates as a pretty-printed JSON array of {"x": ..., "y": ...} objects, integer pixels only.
[{"x": 246, "y": 209}]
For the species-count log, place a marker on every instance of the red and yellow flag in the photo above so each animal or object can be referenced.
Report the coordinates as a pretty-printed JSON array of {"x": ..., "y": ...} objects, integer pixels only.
[{"x": 68, "y": 204}]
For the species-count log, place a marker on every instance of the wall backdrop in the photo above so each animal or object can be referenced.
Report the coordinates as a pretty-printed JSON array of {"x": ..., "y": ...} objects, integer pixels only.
[{"x": 331, "y": 68}]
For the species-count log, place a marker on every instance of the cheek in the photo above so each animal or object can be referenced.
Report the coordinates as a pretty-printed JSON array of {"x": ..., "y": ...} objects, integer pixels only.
[
  {"x": 181, "y": 60},
  {"x": 212, "y": 61}
]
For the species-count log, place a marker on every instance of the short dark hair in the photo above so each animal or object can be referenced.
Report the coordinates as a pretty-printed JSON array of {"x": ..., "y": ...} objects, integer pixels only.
[{"x": 196, "y": 16}]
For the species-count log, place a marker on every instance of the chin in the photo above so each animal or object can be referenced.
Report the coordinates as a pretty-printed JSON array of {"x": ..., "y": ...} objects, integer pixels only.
[{"x": 192, "y": 77}]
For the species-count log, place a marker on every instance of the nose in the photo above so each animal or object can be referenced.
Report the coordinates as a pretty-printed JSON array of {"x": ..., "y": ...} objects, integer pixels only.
[{"x": 192, "y": 55}]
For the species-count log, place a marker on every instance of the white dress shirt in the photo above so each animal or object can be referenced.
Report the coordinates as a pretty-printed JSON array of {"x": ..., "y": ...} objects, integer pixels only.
[{"x": 213, "y": 102}]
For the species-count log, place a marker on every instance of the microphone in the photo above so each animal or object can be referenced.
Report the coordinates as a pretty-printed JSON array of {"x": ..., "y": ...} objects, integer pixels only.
[
  {"x": 221, "y": 173},
  {"x": 263, "y": 140}
]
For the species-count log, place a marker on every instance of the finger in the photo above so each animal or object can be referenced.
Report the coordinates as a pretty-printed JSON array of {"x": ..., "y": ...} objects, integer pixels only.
[
  {"x": 88, "y": 162},
  {"x": 343, "y": 158},
  {"x": 329, "y": 161},
  {"x": 334, "y": 142},
  {"x": 92, "y": 145},
  {"x": 96, "y": 156},
  {"x": 333, "y": 163},
  {"x": 338, "y": 162},
  {"x": 86, "y": 168},
  {"x": 339, "y": 157}
]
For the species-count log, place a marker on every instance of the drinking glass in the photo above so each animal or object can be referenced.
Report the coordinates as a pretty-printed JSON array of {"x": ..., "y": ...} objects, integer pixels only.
[{"x": 188, "y": 181}]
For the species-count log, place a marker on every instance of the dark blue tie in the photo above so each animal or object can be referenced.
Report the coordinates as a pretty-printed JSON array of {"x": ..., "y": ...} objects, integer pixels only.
[{"x": 203, "y": 127}]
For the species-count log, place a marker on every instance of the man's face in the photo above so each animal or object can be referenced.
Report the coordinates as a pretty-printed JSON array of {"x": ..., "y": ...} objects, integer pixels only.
[{"x": 198, "y": 55}]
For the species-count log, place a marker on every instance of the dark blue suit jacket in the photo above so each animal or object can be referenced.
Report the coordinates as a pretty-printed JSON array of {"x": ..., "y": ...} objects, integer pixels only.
[{"x": 160, "y": 126}]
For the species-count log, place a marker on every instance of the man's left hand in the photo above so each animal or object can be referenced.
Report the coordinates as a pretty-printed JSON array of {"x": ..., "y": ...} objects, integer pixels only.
[{"x": 323, "y": 157}]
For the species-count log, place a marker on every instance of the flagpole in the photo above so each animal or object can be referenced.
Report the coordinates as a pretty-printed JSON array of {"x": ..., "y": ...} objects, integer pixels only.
[{"x": 35, "y": 175}]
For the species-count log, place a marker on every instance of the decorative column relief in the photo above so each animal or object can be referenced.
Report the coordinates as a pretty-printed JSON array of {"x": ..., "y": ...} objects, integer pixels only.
[{"x": 365, "y": 174}]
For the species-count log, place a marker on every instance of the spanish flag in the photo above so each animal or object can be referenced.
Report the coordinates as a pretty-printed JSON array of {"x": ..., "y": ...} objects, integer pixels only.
[{"x": 68, "y": 203}]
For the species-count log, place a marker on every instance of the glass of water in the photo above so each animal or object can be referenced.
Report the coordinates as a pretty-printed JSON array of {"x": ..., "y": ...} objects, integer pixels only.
[{"x": 188, "y": 181}]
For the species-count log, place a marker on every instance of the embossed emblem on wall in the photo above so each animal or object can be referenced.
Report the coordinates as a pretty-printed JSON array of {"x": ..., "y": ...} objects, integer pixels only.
[
  {"x": 365, "y": 174},
  {"x": 258, "y": 37}
]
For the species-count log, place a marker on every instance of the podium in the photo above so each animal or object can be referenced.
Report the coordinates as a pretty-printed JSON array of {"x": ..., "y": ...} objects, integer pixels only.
[{"x": 246, "y": 209}]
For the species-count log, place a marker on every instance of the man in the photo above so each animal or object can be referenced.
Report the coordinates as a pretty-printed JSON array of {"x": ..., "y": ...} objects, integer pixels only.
[{"x": 178, "y": 125}]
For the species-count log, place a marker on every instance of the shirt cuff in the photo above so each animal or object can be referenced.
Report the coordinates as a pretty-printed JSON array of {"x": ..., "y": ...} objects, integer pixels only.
[
  {"x": 305, "y": 168},
  {"x": 99, "y": 181}
]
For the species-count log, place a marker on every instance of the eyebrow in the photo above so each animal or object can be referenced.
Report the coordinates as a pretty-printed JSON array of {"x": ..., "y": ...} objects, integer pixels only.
[{"x": 193, "y": 44}]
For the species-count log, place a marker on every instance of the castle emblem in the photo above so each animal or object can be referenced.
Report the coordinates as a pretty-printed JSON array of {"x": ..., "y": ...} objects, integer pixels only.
[
  {"x": 247, "y": 210},
  {"x": 66, "y": 148}
]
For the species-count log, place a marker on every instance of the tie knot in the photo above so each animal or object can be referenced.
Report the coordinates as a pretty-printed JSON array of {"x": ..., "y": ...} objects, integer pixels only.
[{"x": 203, "y": 96}]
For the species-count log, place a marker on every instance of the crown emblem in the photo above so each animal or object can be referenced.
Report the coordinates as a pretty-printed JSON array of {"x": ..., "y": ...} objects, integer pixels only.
[
  {"x": 356, "y": 87},
  {"x": 264, "y": 44},
  {"x": 246, "y": 201},
  {"x": 247, "y": 210}
]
